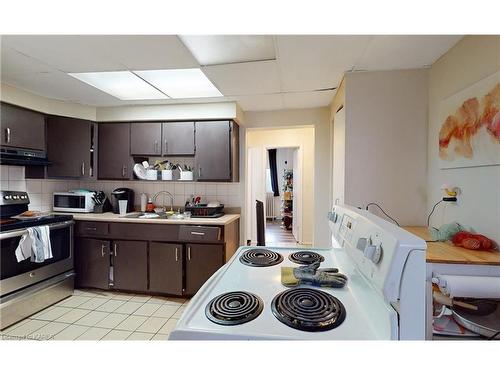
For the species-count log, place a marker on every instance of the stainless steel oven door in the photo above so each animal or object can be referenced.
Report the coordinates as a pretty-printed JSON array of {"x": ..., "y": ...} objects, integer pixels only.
[{"x": 16, "y": 275}]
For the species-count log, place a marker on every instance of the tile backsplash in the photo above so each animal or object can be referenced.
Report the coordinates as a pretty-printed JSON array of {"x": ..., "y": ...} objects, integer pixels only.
[{"x": 40, "y": 190}]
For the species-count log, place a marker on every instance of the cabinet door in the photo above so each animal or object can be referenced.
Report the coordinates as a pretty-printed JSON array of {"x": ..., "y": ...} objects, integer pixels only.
[
  {"x": 145, "y": 138},
  {"x": 130, "y": 268},
  {"x": 92, "y": 262},
  {"x": 178, "y": 138},
  {"x": 22, "y": 127},
  {"x": 213, "y": 151},
  {"x": 114, "y": 157},
  {"x": 165, "y": 268},
  {"x": 68, "y": 147},
  {"x": 201, "y": 262}
]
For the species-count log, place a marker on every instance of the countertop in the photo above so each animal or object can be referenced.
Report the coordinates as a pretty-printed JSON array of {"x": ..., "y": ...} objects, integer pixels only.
[
  {"x": 442, "y": 252},
  {"x": 111, "y": 217}
]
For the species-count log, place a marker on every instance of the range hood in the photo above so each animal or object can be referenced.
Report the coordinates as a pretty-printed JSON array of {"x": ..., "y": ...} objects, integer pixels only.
[{"x": 22, "y": 156}]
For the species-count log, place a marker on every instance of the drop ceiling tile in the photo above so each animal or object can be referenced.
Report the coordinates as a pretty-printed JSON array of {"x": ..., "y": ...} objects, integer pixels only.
[
  {"x": 388, "y": 52},
  {"x": 317, "y": 61},
  {"x": 93, "y": 53},
  {"x": 308, "y": 99},
  {"x": 226, "y": 49},
  {"x": 266, "y": 102},
  {"x": 250, "y": 78},
  {"x": 15, "y": 64}
]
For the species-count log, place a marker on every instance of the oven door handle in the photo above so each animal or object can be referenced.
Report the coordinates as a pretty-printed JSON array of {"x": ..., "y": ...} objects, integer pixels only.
[{"x": 18, "y": 233}]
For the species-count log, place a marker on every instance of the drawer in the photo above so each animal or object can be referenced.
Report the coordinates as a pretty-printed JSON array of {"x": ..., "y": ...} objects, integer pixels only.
[
  {"x": 199, "y": 233},
  {"x": 145, "y": 232},
  {"x": 91, "y": 228}
]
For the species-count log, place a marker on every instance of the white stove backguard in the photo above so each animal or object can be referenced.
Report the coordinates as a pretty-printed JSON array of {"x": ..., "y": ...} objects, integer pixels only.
[{"x": 391, "y": 259}]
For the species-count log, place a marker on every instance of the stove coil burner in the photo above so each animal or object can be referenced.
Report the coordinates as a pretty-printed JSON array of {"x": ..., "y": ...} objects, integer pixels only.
[
  {"x": 234, "y": 308},
  {"x": 306, "y": 257},
  {"x": 308, "y": 309},
  {"x": 260, "y": 258}
]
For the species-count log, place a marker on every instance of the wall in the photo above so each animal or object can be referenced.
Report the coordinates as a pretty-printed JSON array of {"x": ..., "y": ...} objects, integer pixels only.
[
  {"x": 40, "y": 191},
  {"x": 386, "y": 142},
  {"x": 470, "y": 60},
  {"x": 303, "y": 138},
  {"x": 13, "y": 95},
  {"x": 319, "y": 119}
]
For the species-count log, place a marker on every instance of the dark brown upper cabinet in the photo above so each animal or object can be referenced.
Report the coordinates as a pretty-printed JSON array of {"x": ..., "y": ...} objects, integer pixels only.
[
  {"x": 70, "y": 147},
  {"x": 22, "y": 127},
  {"x": 216, "y": 157},
  {"x": 115, "y": 162},
  {"x": 178, "y": 138},
  {"x": 145, "y": 138}
]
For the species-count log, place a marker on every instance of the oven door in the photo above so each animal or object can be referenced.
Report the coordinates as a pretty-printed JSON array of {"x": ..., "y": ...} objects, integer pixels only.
[{"x": 16, "y": 275}]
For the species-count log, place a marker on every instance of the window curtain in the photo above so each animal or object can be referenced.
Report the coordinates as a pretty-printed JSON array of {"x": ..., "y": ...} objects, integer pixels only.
[{"x": 274, "y": 171}]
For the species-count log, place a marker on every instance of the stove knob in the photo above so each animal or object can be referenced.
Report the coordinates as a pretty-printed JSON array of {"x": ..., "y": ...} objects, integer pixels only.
[
  {"x": 377, "y": 255},
  {"x": 7, "y": 197},
  {"x": 369, "y": 251},
  {"x": 15, "y": 197},
  {"x": 23, "y": 197}
]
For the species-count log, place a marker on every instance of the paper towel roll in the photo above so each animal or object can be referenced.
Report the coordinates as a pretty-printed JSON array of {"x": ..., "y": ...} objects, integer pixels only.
[{"x": 469, "y": 286}]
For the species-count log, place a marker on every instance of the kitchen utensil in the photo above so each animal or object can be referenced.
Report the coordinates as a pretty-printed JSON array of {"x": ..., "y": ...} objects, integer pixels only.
[
  {"x": 123, "y": 207},
  {"x": 485, "y": 325},
  {"x": 484, "y": 306},
  {"x": 31, "y": 215},
  {"x": 448, "y": 301}
]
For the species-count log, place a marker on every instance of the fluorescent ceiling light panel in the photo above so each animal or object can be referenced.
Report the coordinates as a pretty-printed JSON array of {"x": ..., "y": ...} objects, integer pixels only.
[
  {"x": 123, "y": 85},
  {"x": 181, "y": 83},
  {"x": 228, "y": 49}
]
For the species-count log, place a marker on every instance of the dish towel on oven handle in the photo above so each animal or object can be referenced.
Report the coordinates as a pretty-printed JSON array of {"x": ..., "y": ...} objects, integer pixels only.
[{"x": 35, "y": 244}]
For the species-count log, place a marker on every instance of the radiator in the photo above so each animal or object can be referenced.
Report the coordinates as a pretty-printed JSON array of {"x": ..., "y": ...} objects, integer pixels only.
[{"x": 270, "y": 206}]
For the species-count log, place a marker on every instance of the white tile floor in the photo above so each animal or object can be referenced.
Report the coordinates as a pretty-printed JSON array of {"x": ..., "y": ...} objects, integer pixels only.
[{"x": 101, "y": 315}]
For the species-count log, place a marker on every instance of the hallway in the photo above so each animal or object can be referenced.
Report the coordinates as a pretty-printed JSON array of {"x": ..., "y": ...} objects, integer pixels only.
[{"x": 277, "y": 236}]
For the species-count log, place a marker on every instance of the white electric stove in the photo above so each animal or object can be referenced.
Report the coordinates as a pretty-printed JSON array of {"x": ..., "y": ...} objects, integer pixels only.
[{"x": 384, "y": 298}]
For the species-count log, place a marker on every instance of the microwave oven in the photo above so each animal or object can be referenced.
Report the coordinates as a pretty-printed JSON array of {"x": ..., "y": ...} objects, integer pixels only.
[{"x": 73, "y": 201}]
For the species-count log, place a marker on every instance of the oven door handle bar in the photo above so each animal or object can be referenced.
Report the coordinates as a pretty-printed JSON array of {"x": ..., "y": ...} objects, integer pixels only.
[{"x": 18, "y": 233}]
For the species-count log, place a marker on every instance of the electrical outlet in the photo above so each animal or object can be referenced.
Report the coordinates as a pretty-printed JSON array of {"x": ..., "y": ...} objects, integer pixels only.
[{"x": 450, "y": 194}]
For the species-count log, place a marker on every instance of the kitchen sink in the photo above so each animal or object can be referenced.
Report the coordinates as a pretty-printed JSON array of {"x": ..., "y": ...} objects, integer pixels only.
[{"x": 163, "y": 215}]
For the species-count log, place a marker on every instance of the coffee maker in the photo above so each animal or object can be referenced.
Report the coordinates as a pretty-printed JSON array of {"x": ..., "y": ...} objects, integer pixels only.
[{"x": 123, "y": 194}]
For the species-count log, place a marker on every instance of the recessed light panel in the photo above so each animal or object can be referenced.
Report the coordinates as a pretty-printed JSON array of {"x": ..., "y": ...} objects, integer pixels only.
[
  {"x": 229, "y": 49},
  {"x": 181, "y": 83},
  {"x": 123, "y": 85}
]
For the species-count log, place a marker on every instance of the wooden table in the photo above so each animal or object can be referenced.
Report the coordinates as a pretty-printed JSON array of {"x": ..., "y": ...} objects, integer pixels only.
[
  {"x": 445, "y": 259},
  {"x": 442, "y": 252}
]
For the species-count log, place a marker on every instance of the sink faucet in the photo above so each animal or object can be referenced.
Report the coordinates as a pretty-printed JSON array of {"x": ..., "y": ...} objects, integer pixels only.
[{"x": 165, "y": 193}]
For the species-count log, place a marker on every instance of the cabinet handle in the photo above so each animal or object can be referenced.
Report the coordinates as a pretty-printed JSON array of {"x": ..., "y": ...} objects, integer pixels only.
[
  {"x": 7, "y": 135},
  {"x": 189, "y": 252},
  {"x": 102, "y": 250},
  {"x": 115, "y": 247},
  {"x": 124, "y": 171},
  {"x": 156, "y": 146},
  {"x": 91, "y": 228},
  {"x": 83, "y": 169},
  {"x": 197, "y": 233},
  {"x": 199, "y": 171},
  {"x": 166, "y": 147},
  {"x": 176, "y": 254}
]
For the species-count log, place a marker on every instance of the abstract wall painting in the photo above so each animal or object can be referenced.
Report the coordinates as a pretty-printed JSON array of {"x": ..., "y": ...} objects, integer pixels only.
[{"x": 469, "y": 134}]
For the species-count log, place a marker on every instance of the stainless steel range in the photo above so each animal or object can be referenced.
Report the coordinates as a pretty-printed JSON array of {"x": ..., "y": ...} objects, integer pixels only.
[{"x": 25, "y": 286}]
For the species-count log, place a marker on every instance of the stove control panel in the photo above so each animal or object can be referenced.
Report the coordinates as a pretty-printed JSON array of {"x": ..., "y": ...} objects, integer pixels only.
[{"x": 13, "y": 197}]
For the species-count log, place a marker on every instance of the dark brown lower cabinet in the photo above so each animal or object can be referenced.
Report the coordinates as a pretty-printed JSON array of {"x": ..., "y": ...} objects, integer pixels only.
[
  {"x": 165, "y": 268},
  {"x": 130, "y": 265},
  {"x": 202, "y": 260},
  {"x": 92, "y": 261}
]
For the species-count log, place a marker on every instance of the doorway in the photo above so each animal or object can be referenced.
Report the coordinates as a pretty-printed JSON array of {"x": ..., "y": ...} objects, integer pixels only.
[{"x": 282, "y": 179}]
